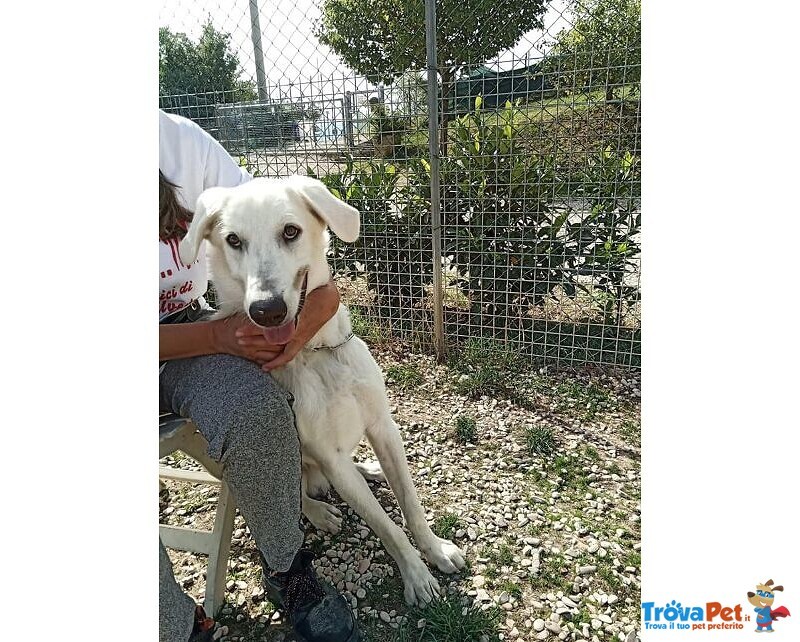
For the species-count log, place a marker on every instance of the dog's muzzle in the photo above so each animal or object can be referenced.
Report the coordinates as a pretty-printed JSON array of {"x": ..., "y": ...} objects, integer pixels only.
[{"x": 268, "y": 312}]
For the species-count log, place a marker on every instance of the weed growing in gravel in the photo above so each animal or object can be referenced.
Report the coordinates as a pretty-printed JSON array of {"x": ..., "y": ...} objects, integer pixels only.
[
  {"x": 571, "y": 472},
  {"x": 406, "y": 375},
  {"x": 631, "y": 431},
  {"x": 510, "y": 587},
  {"x": 447, "y": 620},
  {"x": 502, "y": 555},
  {"x": 367, "y": 329},
  {"x": 445, "y": 525},
  {"x": 485, "y": 369},
  {"x": 591, "y": 453},
  {"x": 586, "y": 400},
  {"x": 540, "y": 440},
  {"x": 552, "y": 574},
  {"x": 466, "y": 429}
]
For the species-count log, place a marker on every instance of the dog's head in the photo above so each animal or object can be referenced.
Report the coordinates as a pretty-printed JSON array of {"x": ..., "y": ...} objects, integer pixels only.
[
  {"x": 764, "y": 595},
  {"x": 268, "y": 241}
]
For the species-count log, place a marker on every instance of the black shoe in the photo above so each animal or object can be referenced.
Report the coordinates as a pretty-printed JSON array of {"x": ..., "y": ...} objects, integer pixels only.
[
  {"x": 316, "y": 614},
  {"x": 203, "y": 630}
]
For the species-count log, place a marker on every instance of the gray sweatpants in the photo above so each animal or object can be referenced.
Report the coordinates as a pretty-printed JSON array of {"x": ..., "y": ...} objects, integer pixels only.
[{"x": 249, "y": 425}]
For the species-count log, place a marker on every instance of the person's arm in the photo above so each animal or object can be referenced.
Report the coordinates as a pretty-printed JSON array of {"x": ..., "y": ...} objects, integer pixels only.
[
  {"x": 184, "y": 340},
  {"x": 321, "y": 305}
]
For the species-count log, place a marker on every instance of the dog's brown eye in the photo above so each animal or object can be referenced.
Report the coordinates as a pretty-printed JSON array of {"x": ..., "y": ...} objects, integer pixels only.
[
  {"x": 291, "y": 232},
  {"x": 233, "y": 241}
]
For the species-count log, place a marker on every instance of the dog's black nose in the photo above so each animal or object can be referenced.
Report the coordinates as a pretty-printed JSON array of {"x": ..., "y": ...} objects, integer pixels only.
[{"x": 268, "y": 313}]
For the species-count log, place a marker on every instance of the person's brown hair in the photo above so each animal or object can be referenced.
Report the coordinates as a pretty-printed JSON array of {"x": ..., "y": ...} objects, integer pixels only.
[{"x": 173, "y": 218}]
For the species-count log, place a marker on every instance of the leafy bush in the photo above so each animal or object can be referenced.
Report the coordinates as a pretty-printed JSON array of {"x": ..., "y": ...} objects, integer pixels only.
[
  {"x": 607, "y": 239},
  {"x": 501, "y": 226},
  {"x": 395, "y": 249},
  {"x": 516, "y": 226},
  {"x": 466, "y": 429}
]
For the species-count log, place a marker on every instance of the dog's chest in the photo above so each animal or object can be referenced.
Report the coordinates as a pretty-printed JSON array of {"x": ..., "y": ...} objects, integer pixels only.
[{"x": 333, "y": 395}]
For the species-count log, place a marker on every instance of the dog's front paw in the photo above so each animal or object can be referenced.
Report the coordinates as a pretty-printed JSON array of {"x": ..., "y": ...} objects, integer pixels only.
[
  {"x": 445, "y": 555},
  {"x": 322, "y": 515},
  {"x": 420, "y": 586}
]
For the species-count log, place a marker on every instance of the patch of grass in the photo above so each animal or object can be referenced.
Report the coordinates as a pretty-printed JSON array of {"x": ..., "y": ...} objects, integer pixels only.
[
  {"x": 447, "y": 620},
  {"x": 540, "y": 440},
  {"x": 571, "y": 472},
  {"x": 485, "y": 368},
  {"x": 466, "y": 429},
  {"x": 553, "y": 574},
  {"x": 611, "y": 580},
  {"x": 582, "y": 617},
  {"x": 406, "y": 375},
  {"x": 510, "y": 587},
  {"x": 585, "y": 400},
  {"x": 591, "y": 453},
  {"x": 614, "y": 469},
  {"x": 502, "y": 555},
  {"x": 367, "y": 329},
  {"x": 631, "y": 431},
  {"x": 634, "y": 559},
  {"x": 445, "y": 525}
]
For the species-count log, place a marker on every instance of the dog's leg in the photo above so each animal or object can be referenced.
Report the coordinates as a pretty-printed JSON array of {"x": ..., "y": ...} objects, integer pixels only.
[
  {"x": 371, "y": 470},
  {"x": 388, "y": 446},
  {"x": 317, "y": 485},
  {"x": 420, "y": 586},
  {"x": 322, "y": 515}
]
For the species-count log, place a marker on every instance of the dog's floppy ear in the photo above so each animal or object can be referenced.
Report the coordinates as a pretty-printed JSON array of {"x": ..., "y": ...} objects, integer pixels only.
[
  {"x": 206, "y": 211},
  {"x": 343, "y": 219}
]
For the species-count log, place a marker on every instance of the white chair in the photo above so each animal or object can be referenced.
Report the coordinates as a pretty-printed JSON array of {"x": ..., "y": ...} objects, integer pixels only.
[{"x": 177, "y": 433}]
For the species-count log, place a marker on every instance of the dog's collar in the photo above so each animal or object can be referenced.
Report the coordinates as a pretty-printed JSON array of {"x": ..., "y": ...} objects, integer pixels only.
[{"x": 338, "y": 345}]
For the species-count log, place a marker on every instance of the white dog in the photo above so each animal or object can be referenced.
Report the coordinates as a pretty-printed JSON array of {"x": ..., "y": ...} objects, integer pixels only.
[{"x": 267, "y": 247}]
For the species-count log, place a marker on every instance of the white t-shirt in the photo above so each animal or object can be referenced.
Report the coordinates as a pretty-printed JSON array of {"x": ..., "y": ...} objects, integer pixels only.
[{"x": 191, "y": 159}]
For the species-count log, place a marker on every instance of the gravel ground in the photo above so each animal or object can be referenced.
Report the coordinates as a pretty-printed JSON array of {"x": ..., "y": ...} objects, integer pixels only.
[{"x": 533, "y": 473}]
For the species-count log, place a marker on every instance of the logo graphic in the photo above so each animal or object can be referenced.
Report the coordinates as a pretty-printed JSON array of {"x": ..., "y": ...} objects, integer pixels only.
[{"x": 763, "y": 599}]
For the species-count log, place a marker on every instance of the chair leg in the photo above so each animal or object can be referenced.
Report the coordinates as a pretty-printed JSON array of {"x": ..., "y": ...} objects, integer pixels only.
[{"x": 216, "y": 572}]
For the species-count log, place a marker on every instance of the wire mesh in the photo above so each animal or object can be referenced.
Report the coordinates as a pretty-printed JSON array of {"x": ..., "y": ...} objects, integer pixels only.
[{"x": 538, "y": 143}]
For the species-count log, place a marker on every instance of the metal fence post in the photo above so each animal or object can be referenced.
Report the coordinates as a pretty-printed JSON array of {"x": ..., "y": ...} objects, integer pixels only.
[
  {"x": 433, "y": 149},
  {"x": 258, "y": 54},
  {"x": 348, "y": 119}
]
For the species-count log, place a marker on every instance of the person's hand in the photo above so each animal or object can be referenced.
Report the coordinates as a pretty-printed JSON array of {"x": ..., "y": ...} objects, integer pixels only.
[
  {"x": 239, "y": 336},
  {"x": 285, "y": 355}
]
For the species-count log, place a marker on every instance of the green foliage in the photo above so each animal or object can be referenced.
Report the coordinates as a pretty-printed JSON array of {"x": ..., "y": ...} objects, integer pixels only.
[
  {"x": 382, "y": 39},
  {"x": 447, "y": 620},
  {"x": 208, "y": 65},
  {"x": 607, "y": 239},
  {"x": 602, "y": 49},
  {"x": 395, "y": 246},
  {"x": 484, "y": 369},
  {"x": 445, "y": 525},
  {"x": 504, "y": 233},
  {"x": 466, "y": 429},
  {"x": 406, "y": 375},
  {"x": 540, "y": 440},
  {"x": 517, "y": 228}
]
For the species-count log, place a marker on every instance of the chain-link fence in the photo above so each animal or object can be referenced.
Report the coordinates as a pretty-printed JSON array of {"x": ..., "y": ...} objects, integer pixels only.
[{"x": 492, "y": 147}]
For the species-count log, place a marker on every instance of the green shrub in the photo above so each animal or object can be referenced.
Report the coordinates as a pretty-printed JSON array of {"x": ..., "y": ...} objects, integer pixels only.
[
  {"x": 466, "y": 429},
  {"x": 540, "y": 440}
]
